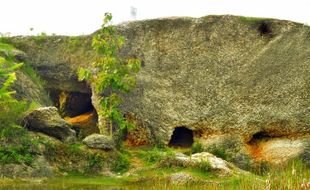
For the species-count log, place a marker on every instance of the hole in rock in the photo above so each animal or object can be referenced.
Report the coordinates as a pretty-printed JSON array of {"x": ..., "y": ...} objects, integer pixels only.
[
  {"x": 181, "y": 137},
  {"x": 71, "y": 104},
  {"x": 264, "y": 28},
  {"x": 77, "y": 109},
  {"x": 260, "y": 136}
]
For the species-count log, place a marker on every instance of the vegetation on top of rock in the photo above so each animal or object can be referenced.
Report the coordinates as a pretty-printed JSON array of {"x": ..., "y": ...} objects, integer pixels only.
[
  {"x": 7, "y": 68},
  {"x": 110, "y": 74}
]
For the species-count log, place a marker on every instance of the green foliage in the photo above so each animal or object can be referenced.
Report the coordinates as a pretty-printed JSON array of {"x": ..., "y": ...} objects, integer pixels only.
[
  {"x": 16, "y": 145},
  {"x": 218, "y": 151},
  {"x": 28, "y": 70},
  {"x": 7, "y": 74},
  {"x": 120, "y": 164},
  {"x": 111, "y": 73},
  {"x": 95, "y": 163},
  {"x": 154, "y": 155},
  {"x": 196, "y": 148},
  {"x": 252, "y": 20},
  {"x": 203, "y": 166}
]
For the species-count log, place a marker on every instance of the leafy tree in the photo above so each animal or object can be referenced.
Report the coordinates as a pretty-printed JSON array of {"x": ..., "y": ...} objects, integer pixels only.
[
  {"x": 7, "y": 74},
  {"x": 110, "y": 74}
]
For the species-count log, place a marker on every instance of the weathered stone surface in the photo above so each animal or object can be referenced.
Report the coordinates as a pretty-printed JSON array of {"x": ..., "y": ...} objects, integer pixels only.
[
  {"x": 277, "y": 150},
  {"x": 85, "y": 124},
  {"x": 40, "y": 168},
  {"x": 48, "y": 121},
  {"x": 182, "y": 178},
  {"x": 99, "y": 141},
  {"x": 217, "y": 164}
]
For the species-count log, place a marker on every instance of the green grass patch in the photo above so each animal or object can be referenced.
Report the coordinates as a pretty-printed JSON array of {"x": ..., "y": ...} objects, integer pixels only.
[
  {"x": 29, "y": 71},
  {"x": 253, "y": 20}
]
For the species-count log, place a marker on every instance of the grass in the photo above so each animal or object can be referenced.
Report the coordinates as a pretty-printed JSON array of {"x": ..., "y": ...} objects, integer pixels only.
[
  {"x": 29, "y": 71},
  {"x": 17, "y": 147},
  {"x": 253, "y": 20}
]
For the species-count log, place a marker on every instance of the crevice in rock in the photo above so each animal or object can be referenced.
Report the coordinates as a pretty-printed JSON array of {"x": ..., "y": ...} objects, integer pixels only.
[
  {"x": 181, "y": 137},
  {"x": 264, "y": 146}
]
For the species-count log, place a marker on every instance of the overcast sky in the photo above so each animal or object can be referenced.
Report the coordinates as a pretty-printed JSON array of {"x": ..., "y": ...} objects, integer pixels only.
[{"x": 75, "y": 17}]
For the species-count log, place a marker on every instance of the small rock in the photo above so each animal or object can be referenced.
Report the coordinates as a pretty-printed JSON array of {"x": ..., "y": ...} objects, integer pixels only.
[
  {"x": 181, "y": 178},
  {"x": 48, "y": 121},
  {"x": 99, "y": 141}
]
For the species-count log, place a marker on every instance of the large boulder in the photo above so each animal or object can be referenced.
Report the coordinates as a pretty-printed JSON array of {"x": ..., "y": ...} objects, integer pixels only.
[
  {"x": 48, "y": 121},
  {"x": 99, "y": 141},
  {"x": 40, "y": 168},
  {"x": 220, "y": 76}
]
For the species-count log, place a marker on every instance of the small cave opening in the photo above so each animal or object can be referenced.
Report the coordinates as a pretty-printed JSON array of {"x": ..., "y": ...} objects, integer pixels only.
[
  {"x": 71, "y": 104},
  {"x": 259, "y": 136},
  {"x": 181, "y": 137},
  {"x": 264, "y": 28}
]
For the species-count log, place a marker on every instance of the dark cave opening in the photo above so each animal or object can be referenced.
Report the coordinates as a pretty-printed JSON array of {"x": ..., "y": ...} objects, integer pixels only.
[
  {"x": 264, "y": 28},
  {"x": 259, "y": 136},
  {"x": 181, "y": 137},
  {"x": 71, "y": 104}
]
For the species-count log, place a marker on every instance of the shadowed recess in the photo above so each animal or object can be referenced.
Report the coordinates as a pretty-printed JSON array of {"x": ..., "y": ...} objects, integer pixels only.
[{"x": 181, "y": 137}]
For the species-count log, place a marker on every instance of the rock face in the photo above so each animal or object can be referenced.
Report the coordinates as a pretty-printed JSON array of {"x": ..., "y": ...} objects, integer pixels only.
[
  {"x": 48, "y": 121},
  {"x": 99, "y": 141},
  {"x": 40, "y": 168},
  {"x": 222, "y": 77},
  {"x": 85, "y": 124}
]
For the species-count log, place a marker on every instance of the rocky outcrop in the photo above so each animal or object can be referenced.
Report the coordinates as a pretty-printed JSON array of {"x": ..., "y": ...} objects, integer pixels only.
[
  {"x": 218, "y": 165},
  {"x": 99, "y": 141},
  {"x": 40, "y": 168},
  {"x": 48, "y": 121},
  {"x": 223, "y": 77}
]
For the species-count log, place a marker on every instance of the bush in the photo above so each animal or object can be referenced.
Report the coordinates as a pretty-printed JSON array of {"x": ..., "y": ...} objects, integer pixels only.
[
  {"x": 168, "y": 160},
  {"x": 95, "y": 163},
  {"x": 218, "y": 151},
  {"x": 16, "y": 146},
  {"x": 203, "y": 166},
  {"x": 197, "y": 148},
  {"x": 152, "y": 156},
  {"x": 120, "y": 164}
]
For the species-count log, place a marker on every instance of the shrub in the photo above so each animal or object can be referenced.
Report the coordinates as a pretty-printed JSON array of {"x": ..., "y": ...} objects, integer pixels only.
[
  {"x": 16, "y": 145},
  {"x": 218, "y": 151},
  {"x": 95, "y": 163},
  {"x": 203, "y": 166},
  {"x": 197, "y": 148},
  {"x": 152, "y": 156},
  {"x": 120, "y": 164},
  {"x": 168, "y": 160}
]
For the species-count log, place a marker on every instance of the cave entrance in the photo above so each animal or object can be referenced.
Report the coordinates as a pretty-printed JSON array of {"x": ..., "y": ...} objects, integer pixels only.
[
  {"x": 77, "y": 109},
  {"x": 71, "y": 104},
  {"x": 181, "y": 137}
]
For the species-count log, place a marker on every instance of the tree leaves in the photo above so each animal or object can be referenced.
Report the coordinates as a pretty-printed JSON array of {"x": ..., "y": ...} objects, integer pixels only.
[
  {"x": 7, "y": 74},
  {"x": 111, "y": 72}
]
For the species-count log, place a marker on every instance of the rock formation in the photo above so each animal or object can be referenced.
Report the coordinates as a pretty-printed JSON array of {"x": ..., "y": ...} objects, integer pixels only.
[{"x": 226, "y": 78}]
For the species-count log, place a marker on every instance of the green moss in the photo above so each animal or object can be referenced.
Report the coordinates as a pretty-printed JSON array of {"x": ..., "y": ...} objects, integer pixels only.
[
  {"x": 29, "y": 71},
  {"x": 120, "y": 163},
  {"x": 17, "y": 147},
  {"x": 253, "y": 20}
]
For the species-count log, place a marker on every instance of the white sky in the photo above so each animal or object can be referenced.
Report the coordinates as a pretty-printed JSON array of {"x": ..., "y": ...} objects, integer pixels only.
[{"x": 75, "y": 17}]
